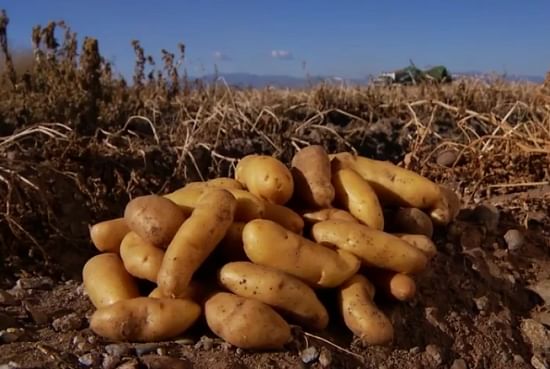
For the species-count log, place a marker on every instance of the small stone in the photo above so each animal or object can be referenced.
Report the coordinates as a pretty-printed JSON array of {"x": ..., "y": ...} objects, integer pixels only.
[
  {"x": 415, "y": 350},
  {"x": 118, "y": 349},
  {"x": 67, "y": 323},
  {"x": 542, "y": 288},
  {"x": 325, "y": 358},
  {"x": 434, "y": 352},
  {"x": 482, "y": 303},
  {"x": 110, "y": 361},
  {"x": 538, "y": 362},
  {"x": 518, "y": 359},
  {"x": 205, "y": 343},
  {"x": 89, "y": 359},
  {"x": 514, "y": 239},
  {"x": 310, "y": 354},
  {"x": 488, "y": 215},
  {"x": 11, "y": 335},
  {"x": 130, "y": 364},
  {"x": 536, "y": 334},
  {"x": 145, "y": 348},
  {"x": 34, "y": 283},
  {"x": 7, "y": 321},
  {"x": 6, "y": 298},
  {"x": 165, "y": 362},
  {"x": 447, "y": 158},
  {"x": 459, "y": 364}
]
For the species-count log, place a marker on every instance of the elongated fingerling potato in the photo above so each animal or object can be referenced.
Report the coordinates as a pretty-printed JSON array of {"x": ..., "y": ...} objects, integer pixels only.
[
  {"x": 265, "y": 177},
  {"x": 284, "y": 216},
  {"x": 360, "y": 313},
  {"x": 356, "y": 195},
  {"x": 144, "y": 319},
  {"x": 310, "y": 168},
  {"x": 394, "y": 185},
  {"x": 246, "y": 323},
  {"x": 154, "y": 218},
  {"x": 421, "y": 242},
  {"x": 277, "y": 289},
  {"x": 107, "y": 235},
  {"x": 195, "y": 240},
  {"x": 270, "y": 244},
  {"x": 312, "y": 217},
  {"x": 372, "y": 246},
  {"x": 396, "y": 285},
  {"x": 141, "y": 259},
  {"x": 106, "y": 281}
]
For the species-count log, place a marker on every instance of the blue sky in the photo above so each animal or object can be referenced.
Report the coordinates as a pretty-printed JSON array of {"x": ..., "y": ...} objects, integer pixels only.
[{"x": 342, "y": 38}]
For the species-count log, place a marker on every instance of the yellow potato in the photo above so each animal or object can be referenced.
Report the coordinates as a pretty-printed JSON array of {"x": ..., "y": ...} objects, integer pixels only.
[
  {"x": 447, "y": 208},
  {"x": 372, "y": 246},
  {"x": 246, "y": 323},
  {"x": 107, "y": 235},
  {"x": 310, "y": 168},
  {"x": 312, "y": 217},
  {"x": 106, "y": 281},
  {"x": 277, "y": 289},
  {"x": 265, "y": 177},
  {"x": 231, "y": 247},
  {"x": 195, "y": 240},
  {"x": 354, "y": 194},
  {"x": 413, "y": 221},
  {"x": 194, "y": 292},
  {"x": 270, "y": 244},
  {"x": 249, "y": 206},
  {"x": 141, "y": 259},
  {"x": 145, "y": 319},
  {"x": 154, "y": 218},
  {"x": 226, "y": 182},
  {"x": 394, "y": 185},
  {"x": 360, "y": 313},
  {"x": 284, "y": 216},
  {"x": 420, "y": 242},
  {"x": 397, "y": 285}
]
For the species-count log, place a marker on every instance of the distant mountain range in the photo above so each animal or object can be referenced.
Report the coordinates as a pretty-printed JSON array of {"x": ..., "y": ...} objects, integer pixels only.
[{"x": 244, "y": 80}]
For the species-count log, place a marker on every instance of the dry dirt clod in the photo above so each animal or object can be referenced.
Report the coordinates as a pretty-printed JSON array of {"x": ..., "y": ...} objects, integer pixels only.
[
  {"x": 118, "y": 349},
  {"x": 539, "y": 363},
  {"x": 325, "y": 358},
  {"x": 434, "y": 353},
  {"x": 10, "y": 365},
  {"x": 34, "y": 283},
  {"x": 482, "y": 303},
  {"x": 37, "y": 315},
  {"x": 165, "y": 362},
  {"x": 447, "y": 158},
  {"x": 459, "y": 364},
  {"x": 309, "y": 355},
  {"x": 110, "y": 361},
  {"x": 7, "y": 298},
  {"x": 487, "y": 215},
  {"x": 536, "y": 334},
  {"x": 205, "y": 343},
  {"x": 67, "y": 323},
  {"x": 90, "y": 359},
  {"x": 514, "y": 239},
  {"x": 145, "y": 348}
]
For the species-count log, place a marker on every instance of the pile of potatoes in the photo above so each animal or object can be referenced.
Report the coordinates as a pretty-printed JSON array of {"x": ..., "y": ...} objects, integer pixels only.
[{"x": 250, "y": 254}]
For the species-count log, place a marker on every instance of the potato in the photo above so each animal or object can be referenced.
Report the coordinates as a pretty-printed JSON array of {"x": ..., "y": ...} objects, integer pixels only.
[
  {"x": 284, "y": 216},
  {"x": 144, "y": 319},
  {"x": 312, "y": 217},
  {"x": 194, "y": 291},
  {"x": 141, "y": 259},
  {"x": 360, "y": 313},
  {"x": 277, "y": 289},
  {"x": 270, "y": 244},
  {"x": 413, "y": 221},
  {"x": 310, "y": 168},
  {"x": 265, "y": 177},
  {"x": 394, "y": 185},
  {"x": 397, "y": 285},
  {"x": 154, "y": 218},
  {"x": 246, "y": 323},
  {"x": 447, "y": 208},
  {"x": 106, "y": 281},
  {"x": 107, "y": 235},
  {"x": 249, "y": 206},
  {"x": 226, "y": 182},
  {"x": 231, "y": 247},
  {"x": 195, "y": 240},
  {"x": 420, "y": 242},
  {"x": 372, "y": 246},
  {"x": 354, "y": 194}
]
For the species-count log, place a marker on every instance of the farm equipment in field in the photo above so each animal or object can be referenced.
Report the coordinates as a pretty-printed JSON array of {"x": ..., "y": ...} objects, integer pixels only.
[{"x": 412, "y": 75}]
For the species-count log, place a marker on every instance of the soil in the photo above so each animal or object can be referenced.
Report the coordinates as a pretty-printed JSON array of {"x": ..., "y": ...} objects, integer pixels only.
[{"x": 484, "y": 302}]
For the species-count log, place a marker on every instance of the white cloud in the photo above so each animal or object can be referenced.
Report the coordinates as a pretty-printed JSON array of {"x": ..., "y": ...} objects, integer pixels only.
[
  {"x": 218, "y": 55},
  {"x": 281, "y": 54}
]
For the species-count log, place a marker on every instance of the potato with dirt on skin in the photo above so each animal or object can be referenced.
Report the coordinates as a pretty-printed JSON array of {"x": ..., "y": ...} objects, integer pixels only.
[
  {"x": 154, "y": 218},
  {"x": 145, "y": 319},
  {"x": 249, "y": 206},
  {"x": 399, "y": 286},
  {"x": 310, "y": 168},
  {"x": 246, "y": 323},
  {"x": 312, "y": 217},
  {"x": 360, "y": 313},
  {"x": 270, "y": 244},
  {"x": 106, "y": 281},
  {"x": 107, "y": 235},
  {"x": 195, "y": 240},
  {"x": 394, "y": 185},
  {"x": 284, "y": 216},
  {"x": 266, "y": 177},
  {"x": 412, "y": 221},
  {"x": 356, "y": 195},
  {"x": 447, "y": 208},
  {"x": 373, "y": 247},
  {"x": 421, "y": 242},
  {"x": 141, "y": 258},
  {"x": 287, "y": 294}
]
